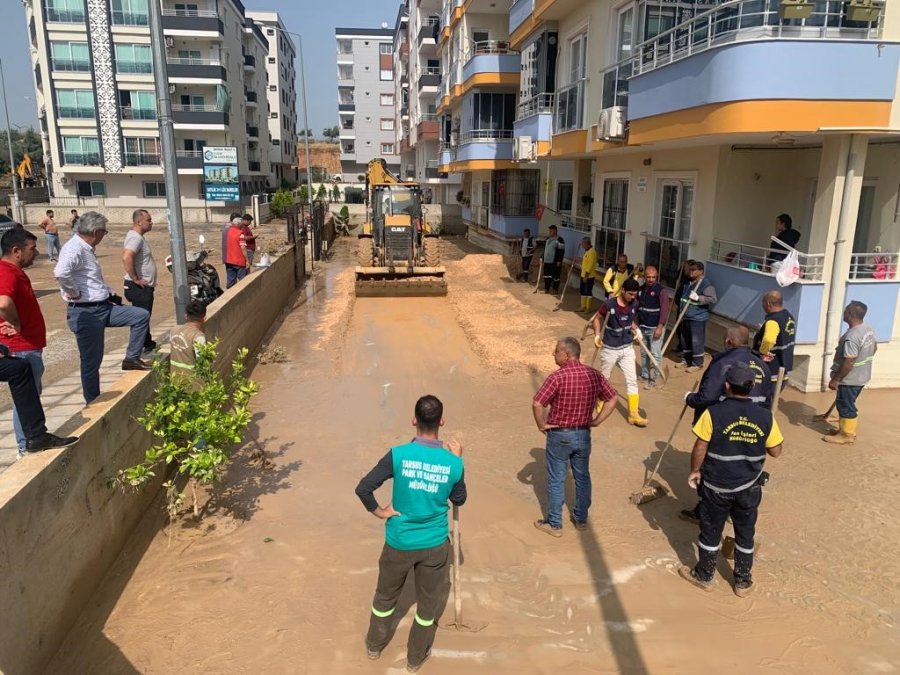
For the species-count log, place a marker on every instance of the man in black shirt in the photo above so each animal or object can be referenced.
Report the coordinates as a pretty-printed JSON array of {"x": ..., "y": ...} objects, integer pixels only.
[{"x": 786, "y": 238}]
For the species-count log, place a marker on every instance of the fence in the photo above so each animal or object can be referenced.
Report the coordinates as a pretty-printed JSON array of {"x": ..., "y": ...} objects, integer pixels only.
[{"x": 759, "y": 258}]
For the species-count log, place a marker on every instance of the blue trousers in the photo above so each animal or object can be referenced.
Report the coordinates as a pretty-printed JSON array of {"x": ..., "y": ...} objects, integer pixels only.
[
  {"x": 53, "y": 246},
  {"x": 846, "y": 401},
  {"x": 648, "y": 370},
  {"x": 568, "y": 446},
  {"x": 233, "y": 274},
  {"x": 35, "y": 358},
  {"x": 693, "y": 341},
  {"x": 89, "y": 325}
]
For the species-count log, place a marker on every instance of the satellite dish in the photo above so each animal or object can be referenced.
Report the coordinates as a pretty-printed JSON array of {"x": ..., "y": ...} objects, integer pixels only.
[{"x": 202, "y": 239}]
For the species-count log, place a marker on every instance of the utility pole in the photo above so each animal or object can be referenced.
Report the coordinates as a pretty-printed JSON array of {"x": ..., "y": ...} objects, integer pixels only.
[
  {"x": 305, "y": 123},
  {"x": 170, "y": 170},
  {"x": 17, "y": 203}
]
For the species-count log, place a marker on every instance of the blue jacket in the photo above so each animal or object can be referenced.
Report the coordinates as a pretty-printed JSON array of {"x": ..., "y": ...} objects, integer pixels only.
[
  {"x": 698, "y": 310},
  {"x": 712, "y": 385}
]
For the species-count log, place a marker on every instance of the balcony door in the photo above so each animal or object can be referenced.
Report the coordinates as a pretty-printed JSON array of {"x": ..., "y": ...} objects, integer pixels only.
[
  {"x": 668, "y": 247},
  {"x": 577, "y": 58}
]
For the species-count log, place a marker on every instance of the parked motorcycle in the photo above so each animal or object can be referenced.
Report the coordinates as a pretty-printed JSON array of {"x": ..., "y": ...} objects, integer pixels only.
[{"x": 202, "y": 278}]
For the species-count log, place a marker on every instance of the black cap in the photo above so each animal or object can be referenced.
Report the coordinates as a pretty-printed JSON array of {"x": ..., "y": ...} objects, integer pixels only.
[{"x": 740, "y": 375}]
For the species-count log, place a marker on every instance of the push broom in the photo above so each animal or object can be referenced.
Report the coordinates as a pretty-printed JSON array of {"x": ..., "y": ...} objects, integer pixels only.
[{"x": 458, "y": 624}]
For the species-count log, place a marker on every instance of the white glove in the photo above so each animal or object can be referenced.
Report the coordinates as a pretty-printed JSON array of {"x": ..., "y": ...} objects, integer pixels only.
[
  {"x": 686, "y": 396},
  {"x": 693, "y": 296},
  {"x": 598, "y": 342}
]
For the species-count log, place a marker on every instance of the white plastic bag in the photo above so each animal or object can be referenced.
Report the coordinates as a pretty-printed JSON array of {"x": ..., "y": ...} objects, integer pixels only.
[
  {"x": 264, "y": 261},
  {"x": 789, "y": 270}
]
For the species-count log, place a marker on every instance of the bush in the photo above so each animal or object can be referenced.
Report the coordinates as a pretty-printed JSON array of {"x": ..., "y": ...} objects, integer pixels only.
[
  {"x": 345, "y": 213},
  {"x": 281, "y": 201},
  {"x": 304, "y": 194},
  {"x": 322, "y": 193}
]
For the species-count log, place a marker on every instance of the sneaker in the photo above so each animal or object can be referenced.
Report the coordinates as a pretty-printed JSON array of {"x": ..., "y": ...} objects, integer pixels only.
[
  {"x": 650, "y": 384},
  {"x": 373, "y": 654},
  {"x": 743, "y": 588},
  {"x": 47, "y": 440},
  {"x": 412, "y": 668},
  {"x": 690, "y": 515},
  {"x": 681, "y": 364},
  {"x": 687, "y": 573},
  {"x": 545, "y": 526},
  {"x": 580, "y": 525},
  {"x": 692, "y": 369}
]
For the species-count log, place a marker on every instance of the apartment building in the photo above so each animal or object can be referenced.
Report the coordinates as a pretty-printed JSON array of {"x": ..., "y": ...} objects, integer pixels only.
[
  {"x": 366, "y": 99},
  {"x": 676, "y": 130},
  {"x": 282, "y": 96},
  {"x": 97, "y": 105}
]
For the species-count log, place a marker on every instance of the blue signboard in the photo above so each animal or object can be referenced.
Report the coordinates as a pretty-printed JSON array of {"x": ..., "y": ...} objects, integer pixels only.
[{"x": 220, "y": 174}]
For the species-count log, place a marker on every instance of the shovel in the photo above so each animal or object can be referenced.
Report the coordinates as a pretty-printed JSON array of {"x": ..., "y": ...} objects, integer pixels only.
[
  {"x": 565, "y": 288},
  {"x": 540, "y": 276},
  {"x": 458, "y": 624}
]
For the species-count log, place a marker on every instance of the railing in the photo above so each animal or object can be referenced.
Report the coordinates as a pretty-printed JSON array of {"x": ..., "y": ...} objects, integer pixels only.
[
  {"x": 729, "y": 22},
  {"x": 432, "y": 163},
  {"x": 251, "y": 96},
  {"x": 70, "y": 65},
  {"x": 250, "y": 60},
  {"x": 64, "y": 15},
  {"x": 120, "y": 18},
  {"x": 190, "y": 61},
  {"x": 577, "y": 223},
  {"x": 199, "y": 13},
  {"x": 431, "y": 21},
  {"x": 184, "y": 107},
  {"x": 134, "y": 67},
  {"x": 431, "y": 70},
  {"x": 759, "y": 258},
  {"x": 70, "y": 112},
  {"x": 427, "y": 117},
  {"x": 485, "y": 136},
  {"x": 542, "y": 103},
  {"x": 141, "y": 159},
  {"x": 570, "y": 107},
  {"x": 81, "y": 158},
  {"x": 131, "y": 113},
  {"x": 879, "y": 266},
  {"x": 253, "y": 132},
  {"x": 492, "y": 47},
  {"x": 189, "y": 153}
]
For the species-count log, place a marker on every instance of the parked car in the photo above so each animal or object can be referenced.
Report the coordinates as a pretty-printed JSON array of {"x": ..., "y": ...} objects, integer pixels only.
[{"x": 7, "y": 223}]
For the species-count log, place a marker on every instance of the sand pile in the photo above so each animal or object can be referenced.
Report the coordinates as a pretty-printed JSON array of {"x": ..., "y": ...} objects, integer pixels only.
[{"x": 338, "y": 309}]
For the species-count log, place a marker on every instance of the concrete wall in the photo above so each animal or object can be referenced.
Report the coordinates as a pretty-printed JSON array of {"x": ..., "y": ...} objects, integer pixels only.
[
  {"x": 61, "y": 524},
  {"x": 119, "y": 215}
]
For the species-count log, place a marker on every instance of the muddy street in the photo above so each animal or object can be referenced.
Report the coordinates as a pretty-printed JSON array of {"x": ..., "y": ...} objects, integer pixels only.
[{"x": 278, "y": 575}]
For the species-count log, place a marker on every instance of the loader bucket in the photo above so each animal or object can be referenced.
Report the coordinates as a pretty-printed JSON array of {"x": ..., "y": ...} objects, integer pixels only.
[{"x": 379, "y": 282}]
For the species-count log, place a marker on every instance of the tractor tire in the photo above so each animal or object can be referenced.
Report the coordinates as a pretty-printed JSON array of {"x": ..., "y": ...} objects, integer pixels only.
[
  {"x": 432, "y": 247},
  {"x": 365, "y": 255}
]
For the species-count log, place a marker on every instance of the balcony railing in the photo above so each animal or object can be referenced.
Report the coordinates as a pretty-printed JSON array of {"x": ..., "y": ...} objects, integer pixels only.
[
  {"x": 204, "y": 13},
  {"x": 120, "y": 18},
  {"x": 577, "y": 223},
  {"x": 491, "y": 47},
  {"x": 249, "y": 61},
  {"x": 134, "y": 67},
  {"x": 81, "y": 158},
  {"x": 758, "y": 258},
  {"x": 878, "y": 266},
  {"x": 141, "y": 159},
  {"x": 570, "y": 107},
  {"x": 485, "y": 136},
  {"x": 427, "y": 117},
  {"x": 189, "y": 153},
  {"x": 542, "y": 103},
  {"x": 190, "y": 61},
  {"x": 184, "y": 107},
  {"x": 69, "y": 65},
  {"x": 131, "y": 113},
  {"x": 65, "y": 15},
  {"x": 431, "y": 70},
  {"x": 432, "y": 163},
  {"x": 252, "y": 132},
  {"x": 75, "y": 113},
  {"x": 730, "y": 22}
]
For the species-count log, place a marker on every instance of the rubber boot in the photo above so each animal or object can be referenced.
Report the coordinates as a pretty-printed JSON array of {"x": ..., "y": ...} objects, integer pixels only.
[
  {"x": 706, "y": 565},
  {"x": 846, "y": 434},
  {"x": 634, "y": 414},
  {"x": 743, "y": 579}
]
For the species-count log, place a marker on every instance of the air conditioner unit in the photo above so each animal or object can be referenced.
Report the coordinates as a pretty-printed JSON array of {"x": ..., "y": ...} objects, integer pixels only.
[
  {"x": 523, "y": 149},
  {"x": 64, "y": 180},
  {"x": 611, "y": 123},
  {"x": 170, "y": 42},
  {"x": 171, "y": 88}
]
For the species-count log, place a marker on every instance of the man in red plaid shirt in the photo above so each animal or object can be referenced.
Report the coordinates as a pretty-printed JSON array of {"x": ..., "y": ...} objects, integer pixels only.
[{"x": 571, "y": 393}]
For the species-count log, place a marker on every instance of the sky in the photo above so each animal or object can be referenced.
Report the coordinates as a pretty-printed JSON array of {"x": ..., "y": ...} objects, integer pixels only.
[{"x": 315, "y": 20}]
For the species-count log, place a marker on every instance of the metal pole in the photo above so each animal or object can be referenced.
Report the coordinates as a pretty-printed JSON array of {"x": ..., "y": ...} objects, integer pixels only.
[
  {"x": 170, "y": 170},
  {"x": 305, "y": 124},
  {"x": 17, "y": 204}
]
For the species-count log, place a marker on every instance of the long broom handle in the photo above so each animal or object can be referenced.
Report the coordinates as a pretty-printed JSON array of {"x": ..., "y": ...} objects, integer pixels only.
[
  {"x": 669, "y": 441},
  {"x": 680, "y": 318},
  {"x": 457, "y": 592},
  {"x": 539, "y": 277},
  {"x": 656, "y": 364},
  {"x": 777, "y": 395},
  {"x": 568, "y": 280}
]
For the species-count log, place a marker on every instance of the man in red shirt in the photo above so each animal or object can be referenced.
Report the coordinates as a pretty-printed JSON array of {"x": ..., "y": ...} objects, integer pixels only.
[
  {"x": 237, "y": 264},
  {"x": 571, "y": 393}
]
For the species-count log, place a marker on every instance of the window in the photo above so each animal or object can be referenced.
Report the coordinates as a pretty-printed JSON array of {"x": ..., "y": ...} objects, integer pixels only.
[
  {"x": 191, "y": 100},
  {"x": 385, "y": 75},
  {"x": 564, "y": 196},
  {"x": 270, "y": 31},
  {"x": 129, "y": 13},
  {"x": 141, "y": 151},
  {"x": 189, "y": 54},
  {"x": 194, "y": 144},
  {"x": 668, "y": 249},
  {"x": 272, "y": 59},
  {"x": 186, "y": 8},
  {"x": 91, "y": 188},
  {"x": 387, "y": 124},
  {"x": 82, "y": 150},
  {"x": 276, "y": 142},
  {"x": 65, "y": 11},
  {"x": 154, "y": 189},
  {"x": 70, "y": 57},
  {"x": 577, "y": 58},
  {"x": 274, "y": 115},
  {"x": 133, "y": 58},
  {"x": 385, "y": 48},
  {"x": 487, "y": 116},
  {"x": 273, "y": 87},
  {"x": 75, "y": 103},
  {"x": 609, "y": 238},
  {"x": 387, "y": 99},
  {"x": 514, "y": 193},
  {"x": 138, "y": 105},
  {"x": 387, "y": 148}
]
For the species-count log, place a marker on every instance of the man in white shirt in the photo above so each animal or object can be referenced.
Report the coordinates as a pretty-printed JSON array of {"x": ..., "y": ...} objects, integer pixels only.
[
  {"x": 93, "y": 305},
  {"x": 140, "y": 268}
]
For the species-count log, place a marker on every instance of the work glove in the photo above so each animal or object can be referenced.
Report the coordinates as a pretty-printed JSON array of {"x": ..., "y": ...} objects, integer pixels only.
[
  {"x": 686, "y": 395},
  {"x": 598, "y": 342},
  {"x": 694, "y": 296}
]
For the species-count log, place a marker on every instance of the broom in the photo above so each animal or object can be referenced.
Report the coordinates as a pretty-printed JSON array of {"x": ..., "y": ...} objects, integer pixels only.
[
  {"x": 458, "y": 624},
  {"x": 565, "y": 288},
  {"x": 648, "y": 493},
  {"x": 540, "y": 276}
]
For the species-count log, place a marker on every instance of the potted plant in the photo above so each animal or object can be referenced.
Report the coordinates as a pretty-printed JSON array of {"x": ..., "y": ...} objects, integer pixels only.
[
  {"x": 866, "y": 11},
  {"x": 795, "y": 9}
]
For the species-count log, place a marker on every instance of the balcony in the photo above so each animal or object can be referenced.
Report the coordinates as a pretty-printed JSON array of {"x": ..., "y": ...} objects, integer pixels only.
[
  {"x": 194, "y": 21},
  {"x": 81, "y": 158},
  {"x": 75, "y": 113},
  {"x": 430, "y": 77},
  {"x": 249, "y": 63},
  {"x": 534, "y": 117},
  {"x": 252, "y": 132},
  {"x": 196, "y": 69},
  {"x": 123, "y": 18},
  {"x": 493, "y": 56},
  {"x": 70, "y": 65},
  {"x": 346, "y": 107},
  {"x": 428, "y": 127},
  {"x": 187, "y": 115},
  {"x": 254, "y": 165},
  {"x": 189, "y": 159},
  {"x": 431, "y": 169},
  {"x": 130, "y": 113},
  {"x": 570, "y": 108},
  {"x": 134, "y": 68},
  {"x": 428, "y": 31},
  {"x": 485, "y": 144},
  {"x": 519, "y": 13},
  {"x": 142, "y": 159},
  {"x": 67, "y": 15},
  {"x": 251, "y": 98}
]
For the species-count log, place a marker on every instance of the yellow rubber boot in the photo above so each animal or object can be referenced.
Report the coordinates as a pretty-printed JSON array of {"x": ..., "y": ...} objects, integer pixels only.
[
  {"x": 846, "y": 434},
  {"x": 634, "y": 413}
]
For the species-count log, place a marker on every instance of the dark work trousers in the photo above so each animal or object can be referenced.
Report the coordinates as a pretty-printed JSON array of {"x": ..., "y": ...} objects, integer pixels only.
[
  {"x": 551, "y": 274},
  {"x": 526, "y": 266},
  {"x": 714, "y": 509},
  {"x": 429, "y": 568},
  {"x": 141, "y": 296},
  {"x": 693, "y": 342},
  {"x": 846, "y": 401},
  {"x": 586, "y": 288},
  {"x": 17, "y": 372},
  {"x": 557, "y": 273}
]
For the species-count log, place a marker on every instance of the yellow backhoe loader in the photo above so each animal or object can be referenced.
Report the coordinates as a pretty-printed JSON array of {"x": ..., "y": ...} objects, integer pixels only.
[{"x": 398, "y": 252}]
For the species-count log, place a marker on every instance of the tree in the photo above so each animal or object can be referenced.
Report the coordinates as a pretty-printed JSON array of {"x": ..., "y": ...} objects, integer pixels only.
[
  {"x": 335, "y": 194},
  {"x": 304, "y": 194},
  {"x": 28, "y": 141},
  {"x": 305, "y": 133},
  {"x": 322, "y": 193},
  {"x": 331, "y": 133},
  {"x": 281, "y": 201}
]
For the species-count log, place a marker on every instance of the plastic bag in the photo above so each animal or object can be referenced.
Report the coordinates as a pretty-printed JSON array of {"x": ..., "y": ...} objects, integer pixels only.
[
  {"x": 264, "y": 261},
  {"x": 789, "y": 270}
]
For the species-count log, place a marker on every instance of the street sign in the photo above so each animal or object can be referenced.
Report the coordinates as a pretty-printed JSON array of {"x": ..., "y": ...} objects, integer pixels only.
[{"x": 220, "y": 174}]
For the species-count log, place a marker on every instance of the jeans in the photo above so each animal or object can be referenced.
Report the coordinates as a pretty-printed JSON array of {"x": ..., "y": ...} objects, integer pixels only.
[
  {"x": 52, "y": 246},
  {"x": 568, "y": 446},
  {"x": 233, "y": 274},
  {"x": 35, "y": 358},
  {"x": 846, "y": 401},
  {"x": 648, "y": 370},
  {"x": 141, "y": 296},
  {"x": 251, "y": 254},
  {"x": 89, "y": 325},
  {"x": 714, "y": 509},
  {"x": 693, "y": 342},
  {"x": 17, "y": 372}
]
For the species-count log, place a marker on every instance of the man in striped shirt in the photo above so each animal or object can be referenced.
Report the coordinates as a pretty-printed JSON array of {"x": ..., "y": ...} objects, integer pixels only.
[
  {"x": 93, "y": 305},
  {"x": 571, "y": 394}
]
